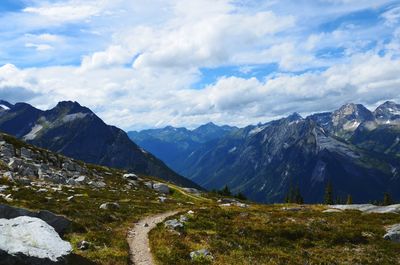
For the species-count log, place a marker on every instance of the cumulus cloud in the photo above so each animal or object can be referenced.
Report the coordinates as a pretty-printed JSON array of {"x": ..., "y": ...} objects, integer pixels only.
[{"x": 139, "y": 61}]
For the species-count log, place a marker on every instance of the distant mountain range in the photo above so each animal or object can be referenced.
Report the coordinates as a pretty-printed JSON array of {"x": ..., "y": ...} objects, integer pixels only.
[
  {"x": 356, "y": 150},
  {"x": 75, "y": 131}
]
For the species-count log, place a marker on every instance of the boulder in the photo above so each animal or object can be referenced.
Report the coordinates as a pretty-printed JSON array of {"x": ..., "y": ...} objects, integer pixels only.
[
  {"x": 369, "y": 208},
  {"x": 149, "y": 185},
  {"x": 26, "y": 153},
  {"x": 83, "y": 245},
  {"x": 162, "y": 199},
  {"x": 59, "y": 223},
  {"x": 110, "y": 206},
  {"x": 130, "y": 176},
  {"x": 192, "y": 191},
  {"x": 32, "y": 237},
  {"x": 161, "y": 187},
  {"x": 393, "y": 233},
  {"x": 201, "y": 253},
  {"x": 173, "y": 224}
]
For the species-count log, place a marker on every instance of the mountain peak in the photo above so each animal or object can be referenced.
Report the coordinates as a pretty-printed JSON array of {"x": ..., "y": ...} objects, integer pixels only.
[
  {"x": 294, "y": 117},
  {"x": 388, "y": 111},
  {"x": 5, "y": 105},
  {"x": 71, "y": 107}
]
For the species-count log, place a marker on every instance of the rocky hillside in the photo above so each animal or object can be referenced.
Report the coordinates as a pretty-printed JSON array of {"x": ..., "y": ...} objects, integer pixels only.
[
  {"x": 77, "y": 132},
  {"x": 45, "y": 196}
]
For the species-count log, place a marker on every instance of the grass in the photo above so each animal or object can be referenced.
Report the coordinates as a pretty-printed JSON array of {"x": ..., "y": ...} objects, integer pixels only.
[
  {"x": 271, "y": 235},
  {"x": 106, "y": 230}
]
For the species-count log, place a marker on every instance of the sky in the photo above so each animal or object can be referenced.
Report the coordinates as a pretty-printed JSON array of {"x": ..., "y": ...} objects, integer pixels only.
[{"x": 151, "y": 63}]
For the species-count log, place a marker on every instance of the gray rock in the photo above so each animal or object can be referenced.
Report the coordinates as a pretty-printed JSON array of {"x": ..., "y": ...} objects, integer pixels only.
[
  {"x": 332, "y": 211},
  {"x": 83, "y": 245},
  {"x": 110, "y": 206},
  {"x": 183, "y": 219},
  {"x": 192, "y": 191},
  {"x": 369, "y": 208},
  {"x": 393, "y": 233},
  {"x": 161, "y": 187},
  {"x": 3, "y": 188},
  {"x": 26, "y": 153},
  {"x": 161, "y": 198},
  {"x": 130, "y": 176},
  {"x": 149, "y": 185},
  {"x": 8, "y": 175},
  {"x": 201, "y": 253},
  {"x": 173, "y": 224}
]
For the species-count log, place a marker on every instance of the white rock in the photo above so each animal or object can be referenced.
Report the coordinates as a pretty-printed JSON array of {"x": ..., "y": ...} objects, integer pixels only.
[
  {"x": 32, "y": 237},
  {"x": 369, "y": 208}
]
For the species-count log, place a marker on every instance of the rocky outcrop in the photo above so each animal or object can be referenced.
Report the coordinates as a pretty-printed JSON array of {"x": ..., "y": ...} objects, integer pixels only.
[
  {"x": 393, "y": 233},
  {"x": 29, "y": 240},
  {"x": 369, "y": 208},
  {"x": 58, "y": 222}
]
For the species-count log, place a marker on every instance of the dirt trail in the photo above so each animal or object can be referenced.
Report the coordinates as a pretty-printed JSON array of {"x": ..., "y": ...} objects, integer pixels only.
[{"x": 138, "y": 239}]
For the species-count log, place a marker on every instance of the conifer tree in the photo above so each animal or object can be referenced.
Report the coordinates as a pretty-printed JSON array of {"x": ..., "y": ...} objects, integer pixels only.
[
  {"x": 328, "y": 198},
  {"x": 349, "y": 199},
  {"x": 387, "y": 199}
]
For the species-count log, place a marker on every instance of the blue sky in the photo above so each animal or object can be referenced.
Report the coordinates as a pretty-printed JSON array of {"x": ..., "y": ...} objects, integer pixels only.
[{"x": 143, "y": 64}]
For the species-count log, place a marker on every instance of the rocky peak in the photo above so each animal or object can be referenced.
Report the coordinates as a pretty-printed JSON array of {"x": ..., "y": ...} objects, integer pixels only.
[
  {"x": 388, "y": 111},
  {"x": 294, "y": 117},
  {"x": 5, "y": 105},
  {"x": 350, "y": 112}
]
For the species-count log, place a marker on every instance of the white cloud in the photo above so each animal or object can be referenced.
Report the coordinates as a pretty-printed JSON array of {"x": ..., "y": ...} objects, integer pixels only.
[
  {"x": 64, "y": 12},
  {"x": 39, "y": 47},
  {"x": 138, "y": 60}
]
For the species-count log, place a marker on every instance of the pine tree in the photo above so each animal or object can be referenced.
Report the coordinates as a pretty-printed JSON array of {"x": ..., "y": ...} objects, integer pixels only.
[
  {"x": 387, "y": 199},
  {"x": 241, "y": 196},
  {"x": 297, "y": 196},
  {"x": 226, "y": 191},
  {"x": 328, "y": 198},
  {"x": 349, "y": 199}
]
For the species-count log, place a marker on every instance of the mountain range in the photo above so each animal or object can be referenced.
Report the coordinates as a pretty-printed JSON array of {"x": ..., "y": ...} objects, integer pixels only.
[
  {"x": 75, "y": 131},
  {"x": 353, "y": 148}
]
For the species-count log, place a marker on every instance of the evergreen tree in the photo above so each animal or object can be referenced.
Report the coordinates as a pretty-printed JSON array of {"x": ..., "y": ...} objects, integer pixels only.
[
  {"x": 387, "y": 199},
  {"x": 226, "y": 191},
  {"x": 297, "y": 196},
  {"x": 241, "y": 196},
  {"x": 349, "y": 199},
  {"x": 328, "y": 198}
]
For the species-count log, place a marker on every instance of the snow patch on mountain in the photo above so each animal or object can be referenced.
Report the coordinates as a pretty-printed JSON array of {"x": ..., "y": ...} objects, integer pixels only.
[{"x": 33, "y": 133}]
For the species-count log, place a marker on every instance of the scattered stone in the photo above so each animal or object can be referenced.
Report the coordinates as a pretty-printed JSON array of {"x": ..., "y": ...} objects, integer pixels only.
[
  {"x": 393, "y": 233},
  {"x": 110, "y": 206},
  {"x": 32, "y": 237},
  {"x": 149, "y": 185},
  {"x": 71, "y": 198},
  {"x": 146, "y": 225},
  {"x": 173, "y": 224},
  {"x": 83, "y": 245},
  {"x": 161, "y": 187},
  {"x": 332, "y": 211},
  {"x": 292, "y": 209},
  {"x": 202, "y": 253},
  {"x": 80, "y": 179},
  {"x": 183, "y": 219},
  {"x": 130, "y": 176},
  {"x": 3, "y": 188},
  {"x": 162, "y": 199},
  {"x": 192, "y": 191},
  {"x": 190, "y": 212}
]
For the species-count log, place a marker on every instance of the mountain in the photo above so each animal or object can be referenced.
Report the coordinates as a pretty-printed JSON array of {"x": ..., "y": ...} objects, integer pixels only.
[
  {"x": 264, "y": 161},
  {"x": 344, "y": 121},
  {"x": 174, "y": 145},
  {"x": 75, "y": 131},
  {"x": 353, "y": 148},
  {"x": 382, "y": 134}
]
